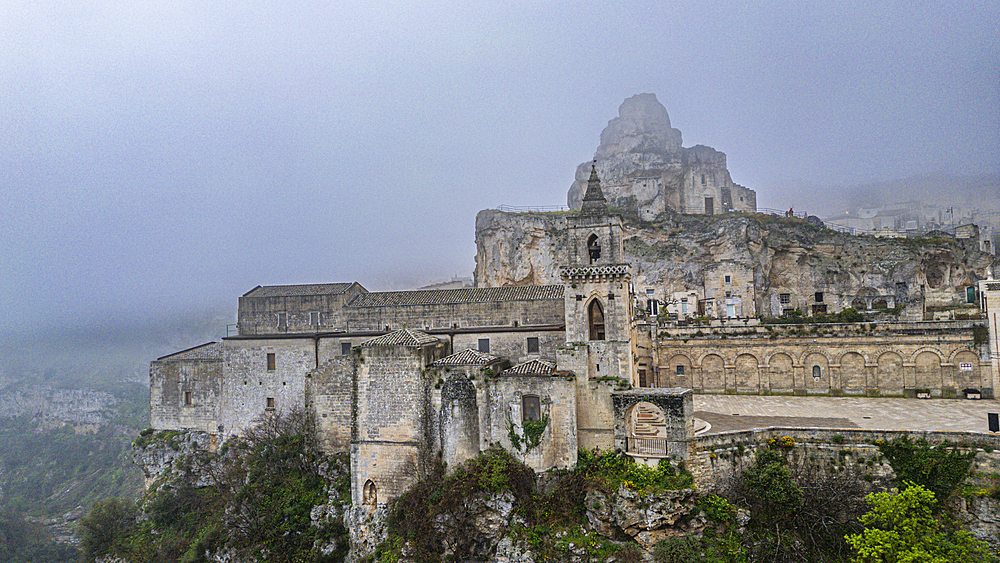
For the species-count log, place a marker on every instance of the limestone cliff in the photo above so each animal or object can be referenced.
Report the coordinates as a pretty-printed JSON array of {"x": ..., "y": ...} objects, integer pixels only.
[
  {"x": 645, "y": 171},
  {"x": 793, "y": 258}
]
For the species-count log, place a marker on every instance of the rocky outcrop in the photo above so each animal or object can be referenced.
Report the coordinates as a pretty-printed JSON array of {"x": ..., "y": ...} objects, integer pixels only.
[
  {"x": 77, "y": 406},
  {"x": 783, "y": 256},
  {"x": 645, "y": 519},
  {"x": 645, "y": 171}
]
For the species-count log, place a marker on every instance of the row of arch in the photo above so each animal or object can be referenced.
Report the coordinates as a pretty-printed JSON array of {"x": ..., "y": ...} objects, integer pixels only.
[
  {"x": 815, "y": 370},
  {"x": 869, "y": 358}
]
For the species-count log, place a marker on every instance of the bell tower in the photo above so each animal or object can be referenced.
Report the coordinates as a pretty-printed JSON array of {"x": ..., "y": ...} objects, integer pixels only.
[{"x": 598, "y": 299}]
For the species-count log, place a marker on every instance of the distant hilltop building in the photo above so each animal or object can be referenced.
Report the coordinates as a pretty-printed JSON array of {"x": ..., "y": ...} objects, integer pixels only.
[{"x": 645, "y": 171}]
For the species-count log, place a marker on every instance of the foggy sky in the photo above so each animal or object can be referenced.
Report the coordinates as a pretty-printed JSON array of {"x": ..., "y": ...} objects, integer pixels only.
[{"x": 162, "y": 157}]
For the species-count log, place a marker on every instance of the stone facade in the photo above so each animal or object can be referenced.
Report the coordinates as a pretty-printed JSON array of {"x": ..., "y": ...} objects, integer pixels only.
[{"x": 874, "y": 360}]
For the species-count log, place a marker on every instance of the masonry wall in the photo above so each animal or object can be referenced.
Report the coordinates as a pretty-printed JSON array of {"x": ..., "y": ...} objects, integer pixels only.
[
  {"x": 456, "y": 407},
  {"x": 714, "y": 460},
  {"x": 169, "y": 383},
  {"x": 541, "y": 312},
  {"x": 557, "y": 395},
  {"x": 259, "y": 315},
  {"x": 594, "y": 416},
  {"x": 856, "y": 360},
  {"x": 248, "y": 384},
  {"x": 514, "y": 344},
  {"x": 329, "y": 396},
  {"x": 393, "y": 428}
]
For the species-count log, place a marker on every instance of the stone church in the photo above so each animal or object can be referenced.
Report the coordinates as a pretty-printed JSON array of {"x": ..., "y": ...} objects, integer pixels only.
[{"x": 404, "y": 378}]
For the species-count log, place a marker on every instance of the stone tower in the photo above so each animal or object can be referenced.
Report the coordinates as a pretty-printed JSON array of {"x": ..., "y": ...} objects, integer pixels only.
[{"x": 598, "y": 300}]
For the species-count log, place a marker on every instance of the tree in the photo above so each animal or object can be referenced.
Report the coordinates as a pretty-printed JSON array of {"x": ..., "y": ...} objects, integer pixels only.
[
  {"x": 104, "y": 528},
  {"x": 901, "y": 528}
]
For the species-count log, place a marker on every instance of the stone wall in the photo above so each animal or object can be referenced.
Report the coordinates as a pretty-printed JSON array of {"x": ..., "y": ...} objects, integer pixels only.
[
  {"x": 714, "y": 460},
  {"x": 330, "y": 397},
  {"x": 393, "y": 426},
  {"x": 250, "y": 389},
  {"x": 874, "y": 360},
  {"x": 557, "y": 397},
  {"x": 185, "y": 389},
  {"x": 538, "y": 313},
  {"x": 512, "y": 344},
  {"x": 259, "y": 314}
]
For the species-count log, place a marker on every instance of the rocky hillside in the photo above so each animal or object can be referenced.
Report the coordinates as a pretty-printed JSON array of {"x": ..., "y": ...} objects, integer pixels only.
[
  {"x": 645, "y": 170},
  {"x": 785, "y": 255}
]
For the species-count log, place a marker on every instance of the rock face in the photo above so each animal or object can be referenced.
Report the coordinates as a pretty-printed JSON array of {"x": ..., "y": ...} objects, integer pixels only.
[
  {"x": 777, "y": 256},
  {"x": 645, "y": 171},
  {"x": 76, "y": 406},
  {"x": 646, "y": 519}
]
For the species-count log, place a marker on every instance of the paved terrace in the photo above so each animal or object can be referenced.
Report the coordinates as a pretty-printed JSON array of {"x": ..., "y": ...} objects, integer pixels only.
[{"x": 742, "y": 412}]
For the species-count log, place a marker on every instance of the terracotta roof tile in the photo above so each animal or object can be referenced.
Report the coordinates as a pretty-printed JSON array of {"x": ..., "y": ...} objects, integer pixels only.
[
  {"x": 402, "y": 337},
  {"x": 468, "y": 357},
  {"x": 532, "y": 367}
]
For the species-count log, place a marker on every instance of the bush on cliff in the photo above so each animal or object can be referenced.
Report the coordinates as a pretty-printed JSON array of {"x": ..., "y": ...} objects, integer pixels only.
[{"x": 265, "y": 486}]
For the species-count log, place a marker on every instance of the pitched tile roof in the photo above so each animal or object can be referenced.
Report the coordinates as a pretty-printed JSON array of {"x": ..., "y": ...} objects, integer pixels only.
[
  {"x": 206, "y": 351},
  {"x": 465, "y": 295},
  {"x": 468, "y": 357},
  {"x": 532, "y": 367},
  {"x": 402, "y": 337},
  {"x": 299, "y": 290}
]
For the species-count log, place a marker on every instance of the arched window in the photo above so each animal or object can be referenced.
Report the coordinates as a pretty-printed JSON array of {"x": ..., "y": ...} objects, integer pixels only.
[
  {"x": 596, "y": 315},
  {"x": 369, "y": 494},
  {"x": 593, "y": 248},
  {"x": 817, "y": 371}
]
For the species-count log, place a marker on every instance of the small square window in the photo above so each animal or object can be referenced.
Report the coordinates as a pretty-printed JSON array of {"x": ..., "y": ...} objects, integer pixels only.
[
  {"x": 531, "y": 408},
  {"x": 819, "y": 296},
  {"x": 785, "y": 298},
  {"x": 271, "y": 362},
  {"x": 345, "y": 348},
  {"x": 187, "y": 398},
  {"x": 270, "y": 403},
  {"x": 484, "y": 345},
  {"x": 532, "y": 344},
  {"x": 314, "y": 318},
  {"x": 680, "y": 369}
]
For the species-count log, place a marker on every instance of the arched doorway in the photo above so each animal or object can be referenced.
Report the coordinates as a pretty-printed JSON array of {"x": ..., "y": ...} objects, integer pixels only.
[{"x": 647, "y": 430}]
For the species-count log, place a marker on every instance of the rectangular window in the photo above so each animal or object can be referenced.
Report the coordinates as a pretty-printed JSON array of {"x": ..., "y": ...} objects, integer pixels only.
[
  {"x": 785, "y": 298},
  {"x": 532, "y": 344},
  {"x": 819, "y": 296},
  {"x": 729, "y": 280},
  {"x": 531, "y": 408},
  {"x": 680, "y": 370},
  {"x": 187, "y": 398},
  {"x": 345, "y": 348},
  {"x": 282, "y": 320},
  {"x": 271, "y": 362},
  {"x": 819, "y": 309},
  {"x": 314, "y": 318},
  {"x": 484, "y": 345},
  {"x": 270, "y": 403}
]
